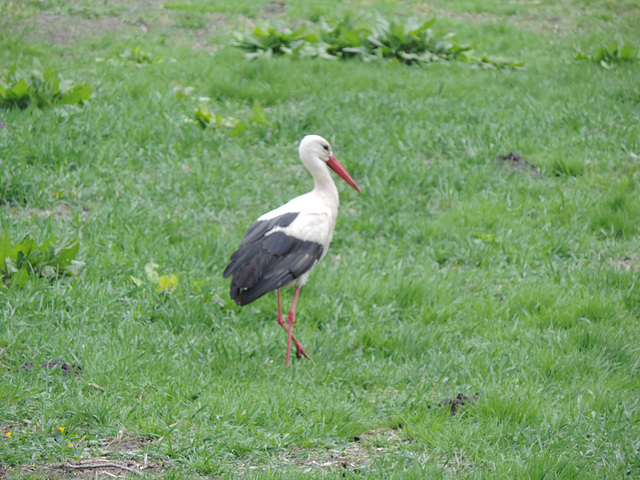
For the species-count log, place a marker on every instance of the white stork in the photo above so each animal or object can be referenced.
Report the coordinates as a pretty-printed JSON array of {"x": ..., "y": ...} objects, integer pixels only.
[{"x": 283, "y": 245}]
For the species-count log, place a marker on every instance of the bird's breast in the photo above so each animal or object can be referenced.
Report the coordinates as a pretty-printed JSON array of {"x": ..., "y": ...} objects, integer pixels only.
[{"x": 310, "y": 227}]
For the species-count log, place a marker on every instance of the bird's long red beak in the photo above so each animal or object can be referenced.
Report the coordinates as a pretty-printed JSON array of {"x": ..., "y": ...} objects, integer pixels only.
[{"x": 339, "y": 169}]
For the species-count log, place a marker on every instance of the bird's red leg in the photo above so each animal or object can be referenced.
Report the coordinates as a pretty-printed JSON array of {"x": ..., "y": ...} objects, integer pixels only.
[
  {"x": 300, "y": 351},
  {"x": 292, "y": 319},
  {"x": 280, "y": 319}
]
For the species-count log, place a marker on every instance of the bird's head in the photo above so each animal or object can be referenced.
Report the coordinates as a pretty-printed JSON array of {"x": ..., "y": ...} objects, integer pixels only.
[{"x": 316, "y": 147}]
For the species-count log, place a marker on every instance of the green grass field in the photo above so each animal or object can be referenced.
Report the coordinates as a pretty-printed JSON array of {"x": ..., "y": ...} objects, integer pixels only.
[{"x": 454, "y": 273}]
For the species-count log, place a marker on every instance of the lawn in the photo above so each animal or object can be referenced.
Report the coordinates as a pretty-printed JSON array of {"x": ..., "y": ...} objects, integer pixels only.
[{"x": 477, "y": 315}]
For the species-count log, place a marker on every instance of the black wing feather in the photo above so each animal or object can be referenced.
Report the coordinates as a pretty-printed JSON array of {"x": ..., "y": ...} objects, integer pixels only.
[
  {"x": 255, "y": 233},
  {"x": 265, "y": 262}
]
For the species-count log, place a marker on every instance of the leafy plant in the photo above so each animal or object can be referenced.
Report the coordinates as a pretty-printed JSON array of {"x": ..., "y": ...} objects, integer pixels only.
[
  {"x": 139, "y": 56},
  {"x": 26, "y": 259},
  {"x": 235, "y": 125},
  {"x": 19, "y": 89},
  {"x": 133, "y": 56},
  {"x": 411, "y": 42},
  {"x": 272, "y": 42},
  {"x": 344, "y": 39},
  {"x": 611, "y": 54},
  {"x": 165, "y": 284},
  {"x": 181, "y": 92}
]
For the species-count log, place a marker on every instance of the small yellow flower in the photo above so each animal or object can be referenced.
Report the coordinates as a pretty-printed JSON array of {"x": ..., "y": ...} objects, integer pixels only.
[
  {"x": 61, "y": 429},
  {"x": 8, "y": 434},
  {"x": 69, "y": 444}
]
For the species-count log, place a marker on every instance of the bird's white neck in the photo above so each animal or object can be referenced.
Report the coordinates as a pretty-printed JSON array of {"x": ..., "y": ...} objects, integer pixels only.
[{"x": 323, "y": 184}]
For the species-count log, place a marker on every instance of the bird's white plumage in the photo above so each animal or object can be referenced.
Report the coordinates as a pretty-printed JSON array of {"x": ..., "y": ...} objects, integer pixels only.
[
  {"x": 315, "y": 221},
  {"x": 285, "y": 244},
  {"x": 318, "y": 209}
]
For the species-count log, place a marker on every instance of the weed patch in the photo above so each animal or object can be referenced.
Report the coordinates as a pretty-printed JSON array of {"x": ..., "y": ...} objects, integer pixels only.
[
  {"x": 27, "y": 258},
  {"x": 608, "y": 56},
  {"x": 409, "y": 43},
  {"x": 232, "y": 126},
  {"x": 163, "y": 284},
  {"x": 19, "y": 89},
  {"x": 133, "y": 56}
]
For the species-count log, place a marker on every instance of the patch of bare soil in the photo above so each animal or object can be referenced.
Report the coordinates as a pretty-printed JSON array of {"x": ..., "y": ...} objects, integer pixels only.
[
  {"x": 357, "y": 456},
  {"x": 98, "y": 467},
  {"x": 533, "y": 23},
  {"x": 273, "y": 9},
  {"x": 62, "y": 212},
  {"x": 628, "y": 263},
  {"x": 514, "y": 160},
  {"x": 74, "y": 369},
  {"x": 67, "y": 29},
  {"x": 458, "y": 401}
]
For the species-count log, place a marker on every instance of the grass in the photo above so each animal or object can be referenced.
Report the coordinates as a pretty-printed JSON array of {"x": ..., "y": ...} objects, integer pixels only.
[{"x": 451, "y": 274}]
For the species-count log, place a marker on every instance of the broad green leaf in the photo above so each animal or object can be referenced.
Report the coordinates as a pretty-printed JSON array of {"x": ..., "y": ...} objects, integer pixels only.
[
  {"x": 20, "y": 89},
  {"x": 49, "y": 243},
  {"x": 66, "y": 254},
  {"x": 311, "y": 38},
  {"x": 398, "y": 32},
  {"x": 296, "y": 33},
  {"x": 52, "y": 79},
  {"x": 258, "y": 31},
  {"x": 76, "y": 95},
  {"x": 428, "y": 24},
  {"x": 26, "y": 246},
  {"x": 202, "y": 116},
  {"x": 351, "y": 37},
  {"x": 167, "y": 284},
  {"x": 164, "y": 284},
  {"x": 20, "y": 278}
]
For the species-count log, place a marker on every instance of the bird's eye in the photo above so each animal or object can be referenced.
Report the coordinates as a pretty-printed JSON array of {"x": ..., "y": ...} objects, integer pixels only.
[{"x": 326, "y": 147}]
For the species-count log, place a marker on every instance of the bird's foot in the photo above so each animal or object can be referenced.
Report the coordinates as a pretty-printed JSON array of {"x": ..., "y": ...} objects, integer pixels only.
[{"x": 300, "y": 351}]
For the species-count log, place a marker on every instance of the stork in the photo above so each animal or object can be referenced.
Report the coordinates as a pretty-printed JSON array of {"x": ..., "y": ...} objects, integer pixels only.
[{"x": 284, "y": 245}]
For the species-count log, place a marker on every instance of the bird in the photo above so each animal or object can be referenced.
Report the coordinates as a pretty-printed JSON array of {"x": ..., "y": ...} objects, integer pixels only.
[{"x": 283, "y": 246}]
